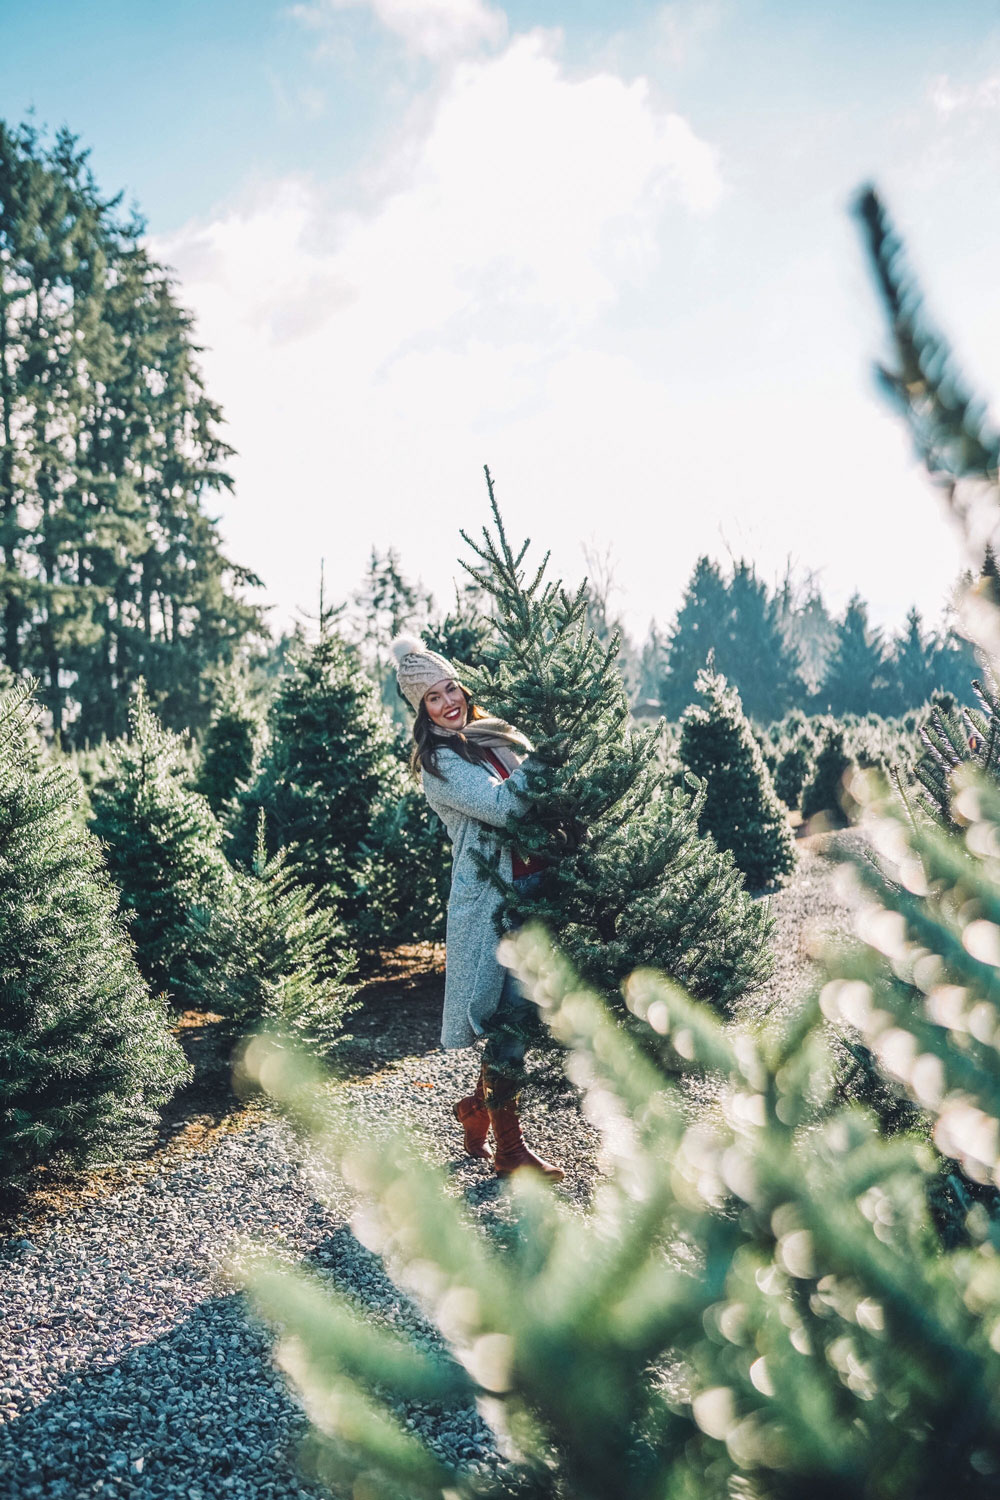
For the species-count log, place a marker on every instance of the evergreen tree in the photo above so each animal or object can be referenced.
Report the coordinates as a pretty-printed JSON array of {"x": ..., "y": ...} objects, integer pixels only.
[
  {"x": 628, "y": 879},
  {"x": 950, "y": 427},
  {"x": 960, "y": 450},
  {"x": 824, "y": 792},
  {"x": 109, "y": 449},
  {"x": 386, "y": 604},
  {"x": 741, "y": 624},
  {"x": 464, "y": 635},
  {"x": 756, "y": 655},
  {"x": 740, "y": 809},
  {"x": 696, "y": 632},
  {"x": 406, "y": 874},
  {"x": 164, "y": 852},
  {"x": 808, "y": 628},
  {"x": 856, "y": 679},
  {"x": 764, "y": 1307},
  {"x": 914, "y": 667},
  {"x": 230, "y": 747},
  {"x": 331, "y": 766},
  {"x": 281, "y": 959},
  {"x": 86, "y": 1058},
  {"x": 790, "y": 774},
  {"x": 652, "y": 665}
]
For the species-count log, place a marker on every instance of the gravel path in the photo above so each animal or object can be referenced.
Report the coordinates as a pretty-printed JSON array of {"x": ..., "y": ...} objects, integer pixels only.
[{"x": 129, "y": 1367}]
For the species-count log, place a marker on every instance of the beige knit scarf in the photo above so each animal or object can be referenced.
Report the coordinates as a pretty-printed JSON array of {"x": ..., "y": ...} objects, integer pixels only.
[{"x": 508, "y": 744}]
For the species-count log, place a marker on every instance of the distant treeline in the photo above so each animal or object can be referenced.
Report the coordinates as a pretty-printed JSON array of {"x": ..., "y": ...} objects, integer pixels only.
[
  {"x": 780, "y": 647},
  {"x": 784, "y": 650}
]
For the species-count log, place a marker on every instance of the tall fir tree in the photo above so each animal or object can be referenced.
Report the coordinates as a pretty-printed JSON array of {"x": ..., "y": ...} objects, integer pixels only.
[
  {"x": 109, "y": 450},
  {"x": 628, "y": 878},
  {"x": 856, "y": 679},
  {"x": 86, "y": 1056},
  {"x": 695, "y": 633},
  {"x": 914, "y": 667},
  {"x": 740, "y": 808},
  {"x": 741, "y": 624},
  {"x": 960, "y": 449}
]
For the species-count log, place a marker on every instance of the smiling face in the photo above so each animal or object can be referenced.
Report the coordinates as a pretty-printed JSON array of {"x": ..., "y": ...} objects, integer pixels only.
[{"x": 445, "y": 704}]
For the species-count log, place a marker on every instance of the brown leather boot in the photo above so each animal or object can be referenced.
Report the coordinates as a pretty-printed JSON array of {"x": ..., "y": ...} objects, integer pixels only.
[
  {"x": 511, "y": 1152},
  {"x": 474, "y": 1118}
]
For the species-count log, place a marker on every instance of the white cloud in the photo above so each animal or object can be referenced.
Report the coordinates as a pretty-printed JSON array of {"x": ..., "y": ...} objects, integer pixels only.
[
  {"x": 948, "y": 98},
  {"x": 437, "y": 29},
  {"x": 370, "y": 361}
]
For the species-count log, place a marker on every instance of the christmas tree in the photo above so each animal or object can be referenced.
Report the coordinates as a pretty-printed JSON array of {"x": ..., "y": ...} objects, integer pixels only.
[
  {"x": 857, "y": 675},
  {"x": 824, "y": 792},
  {"x": 760, "y": 1305},
  {"x": 86, "y": 1057},
  {"x": 790, "y": 774},
  {"x": 230, "y": 747},
  {"x": 334, "y": 792},
  {"x": 330, "y": 761},
  {"x": 740, "y": 809},
  {"x": 164, "y": 852},
  {"x": 628, "y": 878},
  {"x": 740, "y": 624},
  {"x": 281, "y": 959},
  {"x": 914, "y": 667},
  {"x": 960, "y": 450}
]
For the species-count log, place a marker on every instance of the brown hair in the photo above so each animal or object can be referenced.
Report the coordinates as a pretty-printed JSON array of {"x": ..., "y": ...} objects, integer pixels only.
[{"x": 427, "y": 743}]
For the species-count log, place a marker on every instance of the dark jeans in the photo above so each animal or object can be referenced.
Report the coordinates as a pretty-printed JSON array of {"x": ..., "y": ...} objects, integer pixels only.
[{"x": 514, "y": 1025}]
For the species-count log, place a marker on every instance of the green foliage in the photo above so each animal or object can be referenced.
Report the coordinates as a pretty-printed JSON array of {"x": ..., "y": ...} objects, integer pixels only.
[
  {"x": 281, "y": 958},
  {"x": 628, "y": 878},
  {"x": 109, "y": 450},
  {"x": 758, "y": 1305},
  {"x": 960, "y": 450},
  {"x": 917, "y": 1003},
  {"x": 335, "y": 794},
  {"x": 740, "y": 809},
  {"x": 86, "y": 1057},
  {"x": 953, "y": 737},
  {"x": 253, "y": 945},
  {"x": 739, "y": 623},
  {"x": 857, "y": 676},
  {"x": 824, "y": 792},
  {"x": 407, "y": 872},
  {"x": 230, "y": 747},
  {"x": 164, "y": 852},
  {"x": 790, "y": 774},
  {"x": 950, "y": 428}
]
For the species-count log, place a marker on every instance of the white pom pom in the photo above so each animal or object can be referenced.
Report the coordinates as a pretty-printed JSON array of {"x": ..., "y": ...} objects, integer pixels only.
[{"x": 405, "y": 645}]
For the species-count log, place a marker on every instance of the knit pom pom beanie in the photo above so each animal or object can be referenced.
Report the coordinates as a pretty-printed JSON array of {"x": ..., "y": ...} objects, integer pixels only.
[{"x": 417, "y": 668}]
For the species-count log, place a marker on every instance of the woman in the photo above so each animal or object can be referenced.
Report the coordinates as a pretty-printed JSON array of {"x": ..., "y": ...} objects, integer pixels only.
[{"x": 468, "y": 765}]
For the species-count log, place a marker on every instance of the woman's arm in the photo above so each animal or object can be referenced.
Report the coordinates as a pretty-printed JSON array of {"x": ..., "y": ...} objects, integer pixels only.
[{"x": 473, "y": 792}]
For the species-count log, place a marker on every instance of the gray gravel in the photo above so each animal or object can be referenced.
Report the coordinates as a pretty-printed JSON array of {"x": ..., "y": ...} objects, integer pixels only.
[{"x": 127, "y": 1364}]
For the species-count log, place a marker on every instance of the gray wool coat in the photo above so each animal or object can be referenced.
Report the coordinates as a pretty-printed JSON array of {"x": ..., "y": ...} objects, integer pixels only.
[{"x": 471, "y": 800}]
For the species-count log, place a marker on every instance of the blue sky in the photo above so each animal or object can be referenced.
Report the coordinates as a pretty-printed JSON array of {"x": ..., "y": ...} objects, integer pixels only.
[{"x": 603, "y": 247}]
